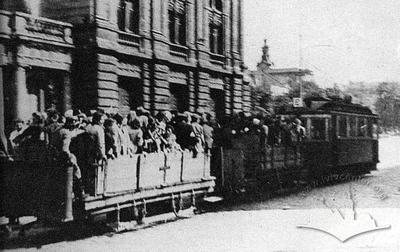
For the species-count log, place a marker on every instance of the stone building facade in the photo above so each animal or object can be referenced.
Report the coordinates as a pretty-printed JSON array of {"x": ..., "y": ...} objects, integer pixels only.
[
  {"x": 35, "y": 62},
  {"x": 121, "y": 54}
]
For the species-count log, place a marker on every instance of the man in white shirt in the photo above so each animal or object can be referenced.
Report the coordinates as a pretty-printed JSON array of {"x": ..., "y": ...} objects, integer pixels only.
[{"x": 19, "y": 129}]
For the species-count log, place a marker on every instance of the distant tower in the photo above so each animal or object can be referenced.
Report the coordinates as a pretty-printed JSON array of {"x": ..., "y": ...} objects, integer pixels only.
[{"x": 265, "y": 60}]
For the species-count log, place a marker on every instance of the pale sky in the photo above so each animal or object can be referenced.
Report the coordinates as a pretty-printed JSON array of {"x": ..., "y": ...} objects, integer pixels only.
[{"x": 342, "y": 40}]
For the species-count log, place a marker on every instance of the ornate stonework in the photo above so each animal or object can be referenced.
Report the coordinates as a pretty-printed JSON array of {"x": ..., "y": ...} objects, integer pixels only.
[{"x": 104, "y": 54}]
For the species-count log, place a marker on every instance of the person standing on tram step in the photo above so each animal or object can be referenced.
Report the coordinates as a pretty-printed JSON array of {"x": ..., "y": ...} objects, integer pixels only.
[
  {"x": 61, "y": 143},
  {"x": 286, "y": 134},
  {"x": 135, "y": 134},
  {"x": 111, "y": 138},
  {"x": 32, "y": 140},
  {"x": 298, "y": 131},
  {"x": 183, "y": 131},
  {"x": 198, "y": 135},
  {"x": 96, "y": 133},
  {"x": 208, "y": 132},
  {"x": 123, "y": 136}
]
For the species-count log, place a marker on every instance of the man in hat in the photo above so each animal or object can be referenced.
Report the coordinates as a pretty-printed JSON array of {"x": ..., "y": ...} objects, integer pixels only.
[
  {"x": 61, "y": 142},
  {"x": 62, "y": 138}
]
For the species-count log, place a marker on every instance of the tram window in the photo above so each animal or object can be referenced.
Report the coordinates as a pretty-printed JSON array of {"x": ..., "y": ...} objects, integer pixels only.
[
  {"x": 370, "y": 128},
  {"x": 353, "y": 127},
  {"x": 375, "y": 130},
  {"x": 362, "y": 127},
  {"x": 342, "y": 126},
  {"x": 318, "y": 129}
]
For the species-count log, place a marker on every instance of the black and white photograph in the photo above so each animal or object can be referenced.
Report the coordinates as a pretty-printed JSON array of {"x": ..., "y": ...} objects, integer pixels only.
[{"x": 200, "y": 125}]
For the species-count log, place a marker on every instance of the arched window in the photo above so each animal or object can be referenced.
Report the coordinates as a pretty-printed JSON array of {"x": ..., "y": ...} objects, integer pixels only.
[
  {"x": 177, "y": 21},
  {"x": 218, "y": 5},
  {"x": 129, "y": 16}
]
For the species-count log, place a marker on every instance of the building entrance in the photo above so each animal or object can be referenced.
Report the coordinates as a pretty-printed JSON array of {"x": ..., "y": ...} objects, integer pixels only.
[
  {"x": 130, "y": 94},
  {"x": 218, "y": 106}
]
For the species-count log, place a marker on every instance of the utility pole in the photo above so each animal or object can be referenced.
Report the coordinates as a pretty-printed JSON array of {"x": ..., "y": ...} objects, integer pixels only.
[
  {"x": 300, "y": 63},
  {"x": 300, "y": 58}
]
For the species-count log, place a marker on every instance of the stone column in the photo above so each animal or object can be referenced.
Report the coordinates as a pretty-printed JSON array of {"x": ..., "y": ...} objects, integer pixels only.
[
  {"x": 237, "y": 94},
  {"x": 227, "y": 27},
  {"x": 199, "y": 18},
  {"x": 240, "y": 32},
  {"x": 191, "y": 29},
  {"x": 227, "y": 91},
  {"x": 156, "y": 16},
  {"x": 164, "y": 18},
  {"x": 20, "y": 94},
  {"x": 191, "y": 22},
  {"x": 67, "y": 102},
  {"x": 1, "y": 100},
  {"x": 206, "y": 31},
  {"x": 235, "y": 26},
  {"x": 192, "y": 92},
  {"x": 145, "y": 25},
  {"x": 147, "y": 93},
  {"x": 203, "y": 95},
  {"x": 161, "y": 88}
]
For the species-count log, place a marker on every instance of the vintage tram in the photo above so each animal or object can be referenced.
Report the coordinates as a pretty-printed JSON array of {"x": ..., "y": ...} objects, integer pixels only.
[
  {"x": 340, "y": 138},
  {"x": 140, "y": 184}
]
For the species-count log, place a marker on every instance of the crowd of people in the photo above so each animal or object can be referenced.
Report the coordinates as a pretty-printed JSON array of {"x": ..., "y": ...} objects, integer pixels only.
[
  {"x": 80, "y": 140},
  {"x": 113, "y": 135}
]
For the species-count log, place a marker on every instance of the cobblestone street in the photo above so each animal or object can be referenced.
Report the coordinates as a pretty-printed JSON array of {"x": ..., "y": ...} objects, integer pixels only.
[{"x": 270, "y": 225}]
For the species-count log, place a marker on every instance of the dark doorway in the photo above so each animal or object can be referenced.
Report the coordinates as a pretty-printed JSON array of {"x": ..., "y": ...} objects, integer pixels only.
[
  {"x": 8, "y": 103},
  {"x": 130, "y": 94},
  {"x": 218, "y": 98},
  {"x": 179, "y": 99},
  {"x": 45, "y": 88}
]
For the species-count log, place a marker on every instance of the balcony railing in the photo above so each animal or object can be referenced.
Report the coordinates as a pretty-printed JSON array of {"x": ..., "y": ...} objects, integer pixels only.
[
  {"x": 127, "y": 38},
  {"x": 178, "y": 50},
  {"x": 217, "y": 58},
  {"x": 32, "y": 27}
]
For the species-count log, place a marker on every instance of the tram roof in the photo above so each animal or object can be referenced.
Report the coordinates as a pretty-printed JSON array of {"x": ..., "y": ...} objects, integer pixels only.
[{"x": 318, "y": 106}]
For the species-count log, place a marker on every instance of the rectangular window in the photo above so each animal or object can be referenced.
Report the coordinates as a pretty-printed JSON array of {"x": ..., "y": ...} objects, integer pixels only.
[
  {"x": 370, "y": 128},
  {"x": 216, "y": 4},
  {"x": 129, "y": 16},
  {"x": 353, "y": 126},
  {"x": 177, "y": 21},
  {"x": 318, "y": 129},
  {"x": 375, "y": 130},
  {"x": 342, "y": 124},
  {"x": 362, "y": 127},
  {"x": 216, "y": 39},
  {"x": 216, "y": 28}
]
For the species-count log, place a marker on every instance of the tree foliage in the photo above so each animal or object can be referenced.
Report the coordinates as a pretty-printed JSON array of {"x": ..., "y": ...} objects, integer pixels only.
[{"x": 387, "y": 105}]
